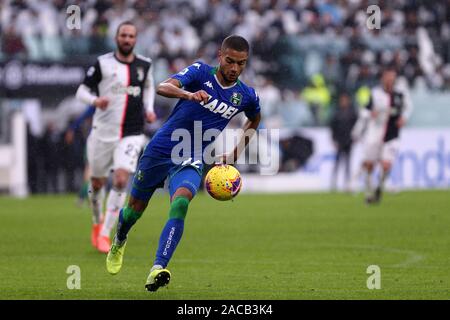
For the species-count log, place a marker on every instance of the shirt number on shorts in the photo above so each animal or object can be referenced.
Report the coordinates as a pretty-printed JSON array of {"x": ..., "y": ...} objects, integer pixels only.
[{"x": 132, "y": 151}]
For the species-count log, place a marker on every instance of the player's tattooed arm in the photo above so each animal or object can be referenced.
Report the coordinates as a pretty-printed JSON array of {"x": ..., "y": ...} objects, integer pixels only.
[{"x": 171, "y": 88}]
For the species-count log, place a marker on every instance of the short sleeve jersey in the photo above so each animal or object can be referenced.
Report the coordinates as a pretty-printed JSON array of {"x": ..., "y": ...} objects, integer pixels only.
[{"x": 223, "y": 104}]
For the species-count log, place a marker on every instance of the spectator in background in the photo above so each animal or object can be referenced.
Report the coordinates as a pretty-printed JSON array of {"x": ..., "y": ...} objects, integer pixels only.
[
  {"x": 411, "y": 68},
  {"x": 341, "y": 126},
  {"x": 12, "y": 44},
  {"x": 98, "y": 40},
  {"x": 318, "y": 97},
  {"x": 271, "y": 97},
  {"x": 332, "y": 71},
  {"x": 293, "y": 110}
]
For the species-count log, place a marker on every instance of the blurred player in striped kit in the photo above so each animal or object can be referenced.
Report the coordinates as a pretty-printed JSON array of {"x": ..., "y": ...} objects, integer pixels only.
[
  {"x": 380, "y": 123},
  {"x": 120, "y": 85}
]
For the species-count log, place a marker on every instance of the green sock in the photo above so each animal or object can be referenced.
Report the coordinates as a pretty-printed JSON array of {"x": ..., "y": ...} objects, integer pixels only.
[
  {"x": 178, "y": 208},
  {"x": 127, "y": 218}
]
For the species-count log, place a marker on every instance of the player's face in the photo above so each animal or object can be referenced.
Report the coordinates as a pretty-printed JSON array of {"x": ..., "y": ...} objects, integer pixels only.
[
  {"x": 126, "y": 39},
  {"x": 388, "y": 79},
  {"x": 232, "y": 63}
]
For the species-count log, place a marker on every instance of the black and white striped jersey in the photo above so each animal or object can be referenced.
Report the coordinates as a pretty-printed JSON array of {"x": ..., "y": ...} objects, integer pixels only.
[
  {"x": 382, "y": 113},
  {"x": 129, "y": 88}
]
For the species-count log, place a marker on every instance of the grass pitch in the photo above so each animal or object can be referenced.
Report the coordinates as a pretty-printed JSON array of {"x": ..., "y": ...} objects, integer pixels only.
[{"x": 292, "y": 246}]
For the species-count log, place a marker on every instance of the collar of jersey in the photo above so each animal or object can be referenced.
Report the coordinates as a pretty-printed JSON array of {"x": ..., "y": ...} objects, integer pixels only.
[
  {"x": 214, "y": 72},
  {"x": 115, "y": 57}
]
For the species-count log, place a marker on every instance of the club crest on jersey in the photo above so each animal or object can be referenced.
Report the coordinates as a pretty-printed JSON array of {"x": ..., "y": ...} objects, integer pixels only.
[{"x": 236, "y": 98}]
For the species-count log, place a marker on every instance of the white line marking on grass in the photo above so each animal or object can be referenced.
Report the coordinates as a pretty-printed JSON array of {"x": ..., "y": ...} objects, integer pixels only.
[{"x": 412, "y": 256}]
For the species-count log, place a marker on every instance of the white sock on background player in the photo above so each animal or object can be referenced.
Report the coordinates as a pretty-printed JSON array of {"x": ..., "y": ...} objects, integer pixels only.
[
  {"x": 368, "y": 183},
  {"x": 115, "y": 201},
  {"x": 383, "y": 177},
  {"x": 96, "y": 199}
]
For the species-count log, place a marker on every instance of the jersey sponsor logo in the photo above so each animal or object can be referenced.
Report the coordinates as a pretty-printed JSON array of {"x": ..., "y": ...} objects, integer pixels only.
[
  {"x": 220, "y": 108},
  {"x": 134, "y": 91},
  {"x": 209, "y": 84}
]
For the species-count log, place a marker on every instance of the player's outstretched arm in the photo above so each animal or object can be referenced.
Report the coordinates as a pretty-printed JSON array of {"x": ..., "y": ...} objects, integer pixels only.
[
  {"x": 249, "y": 128},
  {"x": 171, "y": 88}
]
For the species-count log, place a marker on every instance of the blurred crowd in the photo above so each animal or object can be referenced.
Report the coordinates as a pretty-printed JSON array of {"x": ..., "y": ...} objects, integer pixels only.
[
  {"x": 307, "y": 55},
  {"x": 314, "y": 48}
]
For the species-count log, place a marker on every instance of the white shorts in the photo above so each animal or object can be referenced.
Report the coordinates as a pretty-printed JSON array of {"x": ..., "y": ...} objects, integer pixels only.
[
  {"x": 106, "y": 156},
  {"x": 384, "y": 151}
]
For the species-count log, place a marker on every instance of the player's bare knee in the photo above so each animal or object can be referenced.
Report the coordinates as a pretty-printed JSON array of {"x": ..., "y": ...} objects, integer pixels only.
[
  {"x": 136, "y": 204},
  {"x": 97, "y": 183},
  {"x": 120, "y": 180},
  {"x": 180, "y": 203},
  {"x": 368, "y": 165},
  {"x": 120, "y": 184},
  {"x": 387, "y": 166},
  {"x": 183, "y": 192}
]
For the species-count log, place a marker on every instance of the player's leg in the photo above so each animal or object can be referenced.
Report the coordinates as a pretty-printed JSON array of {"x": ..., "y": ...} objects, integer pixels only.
[
  {"x": 388, "y": 155},
  {"x": 371, "y": 156},
  {"x": 368, "y": 167},
  {"x": 385, "y": 170},
  {"x": 150, "y": 176},
  {"x": 125, "y": 159},
  {"x": 99, "y": 155},
  {"x": 128, "y": 216},
  {"x": 116, "y": 199},
  {"x": 183, "y": 186},
  {"x": 96, "y": 199},
  {"x": 170, "y": 237}
]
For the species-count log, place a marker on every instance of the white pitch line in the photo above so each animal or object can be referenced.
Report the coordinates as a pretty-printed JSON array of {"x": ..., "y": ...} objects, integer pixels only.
[{"x": 412, "y": 256}]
